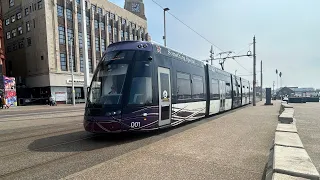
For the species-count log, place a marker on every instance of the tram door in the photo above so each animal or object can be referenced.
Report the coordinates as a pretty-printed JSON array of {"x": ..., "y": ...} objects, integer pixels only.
[
  {"x": 164, "y": 96},
  {"x": 222, "y": 89}
]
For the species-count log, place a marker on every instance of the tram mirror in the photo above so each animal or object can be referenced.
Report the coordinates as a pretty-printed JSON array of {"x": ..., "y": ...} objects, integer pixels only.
[{"x": 150, "y": 58}]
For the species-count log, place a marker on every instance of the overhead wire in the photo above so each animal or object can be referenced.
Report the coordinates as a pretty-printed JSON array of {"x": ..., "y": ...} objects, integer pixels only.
[
  {"x": 210, "y": 42},
  {"x": 199, "y": 34}
]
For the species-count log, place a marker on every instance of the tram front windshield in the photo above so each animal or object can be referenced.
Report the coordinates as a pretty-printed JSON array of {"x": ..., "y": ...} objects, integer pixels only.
[{"x": 108, "y": 84}]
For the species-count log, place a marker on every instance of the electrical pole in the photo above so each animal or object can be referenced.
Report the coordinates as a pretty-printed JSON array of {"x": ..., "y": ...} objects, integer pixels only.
[
  {"x": 211, "y": 54},
  {"x": 273, "y": 87},
  {"x": 164, "y": 26},
  {"x": 72, "y": 76},
  {"x": 261, "y": 82},
  {"x": 254, "y": 71},
  {"x": 85, "y": 49}
]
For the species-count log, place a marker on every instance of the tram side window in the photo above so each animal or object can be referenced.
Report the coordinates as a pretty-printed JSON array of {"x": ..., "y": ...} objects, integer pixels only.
[
  {"x": 214, "y": 90},
  {"x": 197, "y": 87},
  {"x": 183, "y": 86},
  {"x": 228, "y": 91}
]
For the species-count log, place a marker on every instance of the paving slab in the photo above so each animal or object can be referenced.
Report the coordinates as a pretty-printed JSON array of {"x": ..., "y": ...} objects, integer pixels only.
[
  {"x": 287, "y": 128},
  {"x": 294, "y": 162},
  {"x": 308, "y": 124},
  {"x": 288, "y": 139},
  {"x": 278, "y": 176}
]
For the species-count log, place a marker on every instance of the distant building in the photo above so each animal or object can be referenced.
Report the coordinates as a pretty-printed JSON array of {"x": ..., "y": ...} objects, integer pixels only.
[
  {"x": 304, "y": 92},
  {"x": 38, "y": 34},
  {"x": 296, "y": 91}
]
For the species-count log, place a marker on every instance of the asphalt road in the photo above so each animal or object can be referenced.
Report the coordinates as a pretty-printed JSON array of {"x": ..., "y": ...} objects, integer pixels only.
[{"x": 54, "y": 145}]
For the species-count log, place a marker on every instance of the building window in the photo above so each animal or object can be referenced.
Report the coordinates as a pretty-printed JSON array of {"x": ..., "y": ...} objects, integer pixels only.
[
  {"x": 80, "y": 39},
  {"x": 7, "y": 22},
  {"x": 112, "y": 16},
  {"x": 20, "y": 30},
  {"x": 40, "y": 4},
  {"x": 21, "y": 45},
  {"x": 126, "y": 35},
  {"x": 197, "y": 87},
  {"x": 69, "y": 14},
  {"x": 8, "y": 35},
  {"x": 28, "y": 26},
  {"x": 62, "y": 36},
  {"x": 109, "y": 29},
  {"x": 81, "y": 64},
  {"x": 93, "y": 7},
  {"x": 97, "y": 44},
  {"x": 102, "y": 26},
  {"x": 103, "y": 45},
  {"x": 89, "y": 41},
  {"x": 73, "y": 63},
  {"x": 14, "y": 33},
  {"x": 115, "y": 33},
  {"x": 78, "y": 1},
  {"x": 79, "y": 17},
  {"x": 122, "y": 35},
  {"x": 19, "y": 16},
  {"x": 11, "y": 3},
  {"x": 13, "y": 18},
  {"x": 96, "y": 24},
  {"x": 29, "y": 41},
  {"x": 88, "y": 21},
  {"x": 99, "y": 10},
  {"x": 70, "y": 34},
  {"x": 60, "y": 11},
  {"x": 26, "y": 11},
  {"x": 63, "y": 62},
  {"x": 15, "y": 46},
  {"x": 90, "y": 65},
  {"x": 183, "y": 86}
]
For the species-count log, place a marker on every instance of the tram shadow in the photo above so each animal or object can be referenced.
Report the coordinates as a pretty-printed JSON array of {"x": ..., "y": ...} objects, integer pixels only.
[{"x": 80, "y": 141}]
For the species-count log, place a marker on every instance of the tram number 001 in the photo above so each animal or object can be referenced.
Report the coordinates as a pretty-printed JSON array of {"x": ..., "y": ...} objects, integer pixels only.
[{"x": 135, "y": 124}]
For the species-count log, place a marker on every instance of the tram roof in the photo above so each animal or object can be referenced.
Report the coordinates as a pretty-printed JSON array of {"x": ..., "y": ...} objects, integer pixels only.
[{"x": 159, "y": 49}]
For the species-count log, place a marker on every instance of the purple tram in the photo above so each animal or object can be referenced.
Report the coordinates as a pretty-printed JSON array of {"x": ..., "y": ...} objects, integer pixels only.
[{"x": 142, "y": 86}]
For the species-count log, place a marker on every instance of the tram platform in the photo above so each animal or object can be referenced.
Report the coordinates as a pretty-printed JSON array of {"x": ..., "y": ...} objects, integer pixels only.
[{"x": 233, "y": 146}]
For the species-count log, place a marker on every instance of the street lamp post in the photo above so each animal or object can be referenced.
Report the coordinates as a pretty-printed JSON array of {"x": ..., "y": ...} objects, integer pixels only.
[
  {"x": 164, "y": 21},
  {"x": 72, "y": 75}
]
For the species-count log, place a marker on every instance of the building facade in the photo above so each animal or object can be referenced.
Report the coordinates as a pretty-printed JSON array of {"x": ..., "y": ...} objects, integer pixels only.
[
  {"x": 38, "y": 41},
  {"x": 2, "y": 47}
]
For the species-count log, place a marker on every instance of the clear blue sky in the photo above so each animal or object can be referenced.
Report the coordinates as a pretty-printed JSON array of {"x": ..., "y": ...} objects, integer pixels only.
[{"x": 287, "y": 34}]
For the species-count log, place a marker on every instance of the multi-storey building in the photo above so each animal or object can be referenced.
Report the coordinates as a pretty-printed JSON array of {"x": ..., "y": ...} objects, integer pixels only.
[
  {"x": 2, "y": 48},
  {"x": 39, "y": 33}
]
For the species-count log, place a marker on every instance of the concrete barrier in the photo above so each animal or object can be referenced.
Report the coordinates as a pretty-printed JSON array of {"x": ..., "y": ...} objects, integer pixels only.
[
  {"x": 284, "y": 106},
  {"x": 286, "y": 116},
  {"x": 287, "y": 128},
  {"x": 288, "y": 139},
  {"x": 288, "y": 159},
  {"x": 294, "y": 162}
]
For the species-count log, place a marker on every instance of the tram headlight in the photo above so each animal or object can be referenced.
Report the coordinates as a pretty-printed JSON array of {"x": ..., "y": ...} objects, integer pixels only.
[{"x": 119, "y": 112}]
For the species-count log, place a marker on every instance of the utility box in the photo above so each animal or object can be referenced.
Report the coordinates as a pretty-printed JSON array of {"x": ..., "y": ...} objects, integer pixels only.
[{"x": 268, "y": 97}]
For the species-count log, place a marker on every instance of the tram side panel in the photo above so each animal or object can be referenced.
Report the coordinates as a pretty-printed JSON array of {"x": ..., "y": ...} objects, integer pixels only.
[{"x": 188, "y": 91}]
